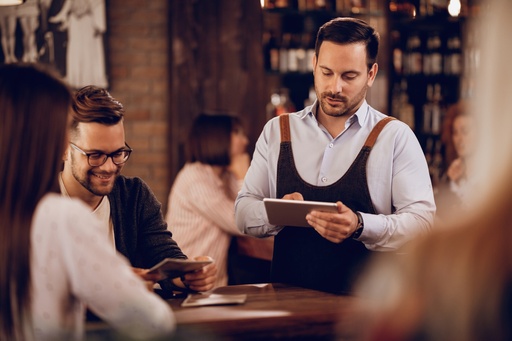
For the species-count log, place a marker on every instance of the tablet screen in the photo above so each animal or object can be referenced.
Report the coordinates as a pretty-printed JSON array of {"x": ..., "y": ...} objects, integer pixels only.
[{"x": 282, "y": 212}]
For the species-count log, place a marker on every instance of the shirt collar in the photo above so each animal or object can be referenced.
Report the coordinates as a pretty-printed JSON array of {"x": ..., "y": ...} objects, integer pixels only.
[{"x": 360, "y": 115}]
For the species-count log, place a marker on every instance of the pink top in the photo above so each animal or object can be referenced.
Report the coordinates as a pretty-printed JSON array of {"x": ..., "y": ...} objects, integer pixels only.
[{"x": 201, "y": 214}]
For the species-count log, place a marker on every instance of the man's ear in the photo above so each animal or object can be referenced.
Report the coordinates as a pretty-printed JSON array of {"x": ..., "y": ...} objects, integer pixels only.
[{"x": 372, "y": 74}]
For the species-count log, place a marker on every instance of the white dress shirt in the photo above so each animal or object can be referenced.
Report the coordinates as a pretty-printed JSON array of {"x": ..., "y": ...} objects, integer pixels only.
[{"x": 398, "y": 178}]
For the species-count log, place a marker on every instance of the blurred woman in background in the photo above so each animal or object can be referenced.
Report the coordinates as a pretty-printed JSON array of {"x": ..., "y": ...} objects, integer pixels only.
[
  {"x": 200, "y": 211},
  {"x": 459, "y": 136}
]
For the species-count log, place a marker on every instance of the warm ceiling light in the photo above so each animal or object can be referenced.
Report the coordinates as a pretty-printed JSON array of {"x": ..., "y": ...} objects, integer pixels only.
[
  {"x": 454, "y": 8},
  {"x": 11, "y": 2}
]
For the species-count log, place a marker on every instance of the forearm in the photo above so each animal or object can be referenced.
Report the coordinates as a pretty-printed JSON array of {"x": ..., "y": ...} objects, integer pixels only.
[{"x": 251, "y": 217}]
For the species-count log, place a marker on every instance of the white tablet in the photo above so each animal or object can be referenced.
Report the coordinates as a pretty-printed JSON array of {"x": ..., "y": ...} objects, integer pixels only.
[
  {"x": 172, "y": 267},
  {"x": 284, "y": 212}
]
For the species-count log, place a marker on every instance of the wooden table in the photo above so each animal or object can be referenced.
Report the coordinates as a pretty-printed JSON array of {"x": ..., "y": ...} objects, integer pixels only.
[{"x": 271, "y": 311}]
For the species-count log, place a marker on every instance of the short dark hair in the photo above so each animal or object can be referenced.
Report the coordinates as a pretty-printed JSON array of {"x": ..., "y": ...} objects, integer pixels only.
[
  {"x": 209, "y": 139},
  {"x": 94, "y": 104},
  {"x": 346, "y": 30}
]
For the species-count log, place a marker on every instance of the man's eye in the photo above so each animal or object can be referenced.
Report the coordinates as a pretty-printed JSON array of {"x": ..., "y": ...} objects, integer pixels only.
[{"x": 96, "y": 156}]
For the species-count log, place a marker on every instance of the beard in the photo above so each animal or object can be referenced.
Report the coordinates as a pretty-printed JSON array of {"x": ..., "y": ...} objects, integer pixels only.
[
  {"x": 344, "y": 105},
  {"x": 86, "y": 179}
]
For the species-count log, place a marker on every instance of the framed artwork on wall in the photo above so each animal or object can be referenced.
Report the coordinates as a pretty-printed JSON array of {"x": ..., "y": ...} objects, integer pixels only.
[{"x": 68, "y": 34}]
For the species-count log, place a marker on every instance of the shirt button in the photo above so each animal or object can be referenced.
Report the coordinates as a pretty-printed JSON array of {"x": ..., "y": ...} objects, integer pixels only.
[
  {"x": 324, "y": 179},
  {"x": 331, "y": 145}
]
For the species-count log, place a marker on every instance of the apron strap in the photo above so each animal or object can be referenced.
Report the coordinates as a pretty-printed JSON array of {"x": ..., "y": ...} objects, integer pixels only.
[
  {"x": 370, "y": 141},
  {"x": 284, "y": 123}
]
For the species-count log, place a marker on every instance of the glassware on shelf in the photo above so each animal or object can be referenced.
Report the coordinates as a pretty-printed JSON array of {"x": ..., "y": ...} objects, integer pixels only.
[{"x": 279, "y": 103}]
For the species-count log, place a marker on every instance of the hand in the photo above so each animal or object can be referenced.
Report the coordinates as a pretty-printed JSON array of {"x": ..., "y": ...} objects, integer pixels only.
[
  {"x": 335, "y": 227},
  {"x": 201, "y": 280},
  {"x": 149, "y": 278},
  {"x": 294, "y": 196},
  {"x": 239, "y": 165},
  {"x": 457, "y": 170}
]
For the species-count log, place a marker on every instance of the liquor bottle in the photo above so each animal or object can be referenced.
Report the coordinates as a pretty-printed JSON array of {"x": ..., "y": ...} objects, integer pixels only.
[
  {"x": 285, "y": 104},
  {"x": 302, "y": 62},
  {"x": 279, "y": 103},
  {"x": 436, "y": 57},
  {"x": 293, "y": 65},
  {"x": 283, "y": 53},
  {"x": 406, "y": 111},
  {"x": 402, "y": 8},
  {"x": 436, "y": 165},
  {"x": 311, "y": 97},
  {"x": 272, "y": 105},
  {"x": 427, "y": 110},
  {"x": 453, "y": 56},
  {"x": 398, "y": 55},
  {"x": 310, "y": 52},
  {"x": 414, "y": 58},
  {"x": 437, "y": 110},
  {"x": 271, "y": 51}
]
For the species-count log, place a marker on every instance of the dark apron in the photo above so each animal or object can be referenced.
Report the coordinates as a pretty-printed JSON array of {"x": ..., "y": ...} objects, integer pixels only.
[{"x": 302, "y": 256}]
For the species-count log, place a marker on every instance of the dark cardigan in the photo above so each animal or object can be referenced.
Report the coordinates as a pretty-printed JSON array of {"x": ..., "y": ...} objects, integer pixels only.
[{"x": 140, "y": 230}]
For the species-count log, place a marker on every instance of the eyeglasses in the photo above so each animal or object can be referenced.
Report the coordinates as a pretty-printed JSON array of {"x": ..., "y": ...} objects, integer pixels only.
[{"x": 98, "y": 159}]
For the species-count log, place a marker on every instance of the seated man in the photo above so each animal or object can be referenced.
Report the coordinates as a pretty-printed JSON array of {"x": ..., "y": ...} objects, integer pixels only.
[{"x": 130, "y": 212}]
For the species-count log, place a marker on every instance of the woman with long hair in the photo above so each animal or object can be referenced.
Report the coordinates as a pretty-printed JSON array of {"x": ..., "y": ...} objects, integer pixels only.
[{"x": 54, "y": 257}]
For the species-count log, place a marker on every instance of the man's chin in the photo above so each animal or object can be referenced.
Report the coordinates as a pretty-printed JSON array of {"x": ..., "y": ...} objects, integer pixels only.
[
  {"x": 101, "y": 190},
  {"x": 333, "y": 111}
]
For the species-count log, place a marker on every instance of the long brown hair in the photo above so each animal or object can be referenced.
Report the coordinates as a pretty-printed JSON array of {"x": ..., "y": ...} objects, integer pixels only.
[
  {"x": 209, "y": 138},
  {"x": 34, "y": 106}
]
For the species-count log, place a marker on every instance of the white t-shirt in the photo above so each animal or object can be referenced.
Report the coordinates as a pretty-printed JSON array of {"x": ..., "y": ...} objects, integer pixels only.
[{"x": 72, "y": 265}]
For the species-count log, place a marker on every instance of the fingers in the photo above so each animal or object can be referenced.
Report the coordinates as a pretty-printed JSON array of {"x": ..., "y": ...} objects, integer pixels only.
[
  {"x": 201, "y": 280},
  {"x": 329, "y": 228},
  {"x": 294, "y": 196},
  {"x": 148, "y": 276},
  {"x": 335, "y": 227}
]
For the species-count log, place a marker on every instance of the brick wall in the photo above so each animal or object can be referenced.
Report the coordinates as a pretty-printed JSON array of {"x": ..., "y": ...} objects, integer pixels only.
[{"x": 137, "y": 61}]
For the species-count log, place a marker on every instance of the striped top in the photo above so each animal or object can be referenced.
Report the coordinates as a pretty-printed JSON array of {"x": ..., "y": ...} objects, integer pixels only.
[{"x": 200, "y": 214}]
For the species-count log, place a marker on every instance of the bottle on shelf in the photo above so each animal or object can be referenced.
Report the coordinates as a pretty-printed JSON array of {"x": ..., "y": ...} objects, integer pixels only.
[
  {"x": 279, "y": 103},
  {"x": 433, "y": 110},
  {"x": 433, "y": 58},
  {"x": 398, "y": 54},
  {"x": 437, "y": 110},
  {"x": 311, "y": 97},
  {"x": 402, "y": 8},
  {"x": 414, "y": 57},
  {"x": 293, "y": 48},
  {"x": 310, "y": 52},
  {"x": 301, "y": 53},
  {"x": 427, "y": 110},
  {"x": 436, "y": 167},
  {"x": 271, "y": 51},
  {"x": 406, "y": 110},
  {"x": 283, "y": 53},
  {"x": 453, "y": 56}
]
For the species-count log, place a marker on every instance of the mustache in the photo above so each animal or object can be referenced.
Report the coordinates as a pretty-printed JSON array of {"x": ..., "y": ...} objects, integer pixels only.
[{"x": 334, "y": 96}]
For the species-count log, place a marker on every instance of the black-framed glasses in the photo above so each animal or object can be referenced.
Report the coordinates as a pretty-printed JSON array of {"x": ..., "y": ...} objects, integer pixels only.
[{"x": 97, "y": 159}]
